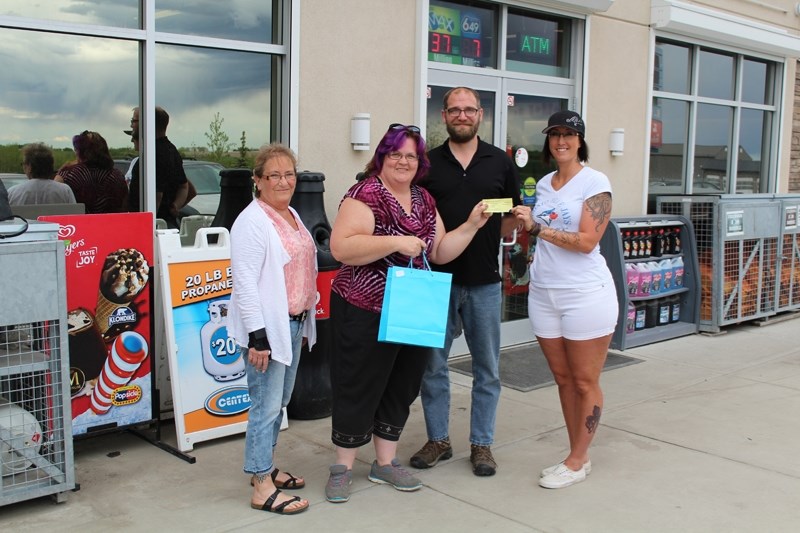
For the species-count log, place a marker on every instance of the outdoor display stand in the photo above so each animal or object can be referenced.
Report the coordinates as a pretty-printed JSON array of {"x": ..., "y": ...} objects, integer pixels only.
[
  {"x": 108, "y": 276},
  {"x": 210, "y": 397},
  {"x": 36, "y": 456},
  {"x": 748, "y": 252},
  {"x": 657, "y": 289}
]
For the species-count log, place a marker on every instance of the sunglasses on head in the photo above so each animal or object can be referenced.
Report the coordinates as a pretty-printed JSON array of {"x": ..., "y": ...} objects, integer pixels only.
[{"x": 398, "y": 126}]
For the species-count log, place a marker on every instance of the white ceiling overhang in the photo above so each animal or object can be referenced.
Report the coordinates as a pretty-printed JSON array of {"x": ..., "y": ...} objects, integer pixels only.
[
  {"x": 694, "y": 21},
  {"x": 584, "y": 7}
]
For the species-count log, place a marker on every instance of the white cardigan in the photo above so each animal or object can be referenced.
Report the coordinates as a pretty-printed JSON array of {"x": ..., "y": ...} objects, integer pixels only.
[{"x": 259, "y": 297}]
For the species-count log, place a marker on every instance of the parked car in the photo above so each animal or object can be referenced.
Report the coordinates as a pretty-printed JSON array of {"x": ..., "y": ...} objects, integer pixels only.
[
  {"x": 11, "y": 179},
  {"x": 204, "y": 175}
]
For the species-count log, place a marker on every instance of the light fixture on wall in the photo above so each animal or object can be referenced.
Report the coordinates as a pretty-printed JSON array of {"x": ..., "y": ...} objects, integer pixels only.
[
  {"x": 616, "y": 141},
  {"x": 359, "y": 131}
]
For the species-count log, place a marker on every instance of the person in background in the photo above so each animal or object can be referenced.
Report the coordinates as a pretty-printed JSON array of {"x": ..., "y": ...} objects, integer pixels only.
[
  {"x": 41, "y": 188},
  {"x": 572, "y": 302},
  {"x": 172, "y": 187},
  {"x": 274, "y": 270},
  {"x": 93, "y": 179},
  {"x": 464, "y": 170},
  {"x": 384, "y": 220}
]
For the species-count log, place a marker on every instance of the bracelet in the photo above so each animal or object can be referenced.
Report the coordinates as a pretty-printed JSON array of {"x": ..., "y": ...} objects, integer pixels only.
[{"x": 535, "y": 230}]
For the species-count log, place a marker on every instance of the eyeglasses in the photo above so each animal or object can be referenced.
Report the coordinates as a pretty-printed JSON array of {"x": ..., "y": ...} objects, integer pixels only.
[
  {"x": 398, "y": 126},
  {"x": 565, "y": 134},
  {"x": 455, "y": 112},
  {"x": 397, "y": 156},
  {"x": 275, "y": 178}
]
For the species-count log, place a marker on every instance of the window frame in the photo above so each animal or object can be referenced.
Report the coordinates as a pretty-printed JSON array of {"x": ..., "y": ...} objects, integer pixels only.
[{"x": 769, "y": 149}]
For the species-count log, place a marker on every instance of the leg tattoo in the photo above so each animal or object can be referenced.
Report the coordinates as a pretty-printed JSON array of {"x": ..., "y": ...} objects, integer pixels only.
[
  {"x": 259, "y": 478},
  {"x": 593, "y": 420}
]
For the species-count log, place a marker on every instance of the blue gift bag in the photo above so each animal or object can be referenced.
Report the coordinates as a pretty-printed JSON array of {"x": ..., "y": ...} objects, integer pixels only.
[{"x": 415, "y": 304}]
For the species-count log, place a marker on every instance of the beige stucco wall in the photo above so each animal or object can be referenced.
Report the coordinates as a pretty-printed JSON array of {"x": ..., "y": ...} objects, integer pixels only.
[
  {"x": 617, "y": 97},
  {"x": 356, "y": 56}
]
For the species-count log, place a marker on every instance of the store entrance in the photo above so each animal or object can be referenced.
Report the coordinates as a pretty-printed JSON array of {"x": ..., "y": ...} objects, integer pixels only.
[{"x": 514, "y": 115}]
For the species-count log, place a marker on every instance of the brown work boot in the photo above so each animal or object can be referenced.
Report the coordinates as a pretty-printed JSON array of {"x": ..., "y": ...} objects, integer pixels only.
[
  {"x": 482, "y": 461},
  {"x": 430, "y": 454}
]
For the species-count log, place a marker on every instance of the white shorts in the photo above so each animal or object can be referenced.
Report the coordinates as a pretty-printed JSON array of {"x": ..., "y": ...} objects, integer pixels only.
[{"x": 575, "y": 314}]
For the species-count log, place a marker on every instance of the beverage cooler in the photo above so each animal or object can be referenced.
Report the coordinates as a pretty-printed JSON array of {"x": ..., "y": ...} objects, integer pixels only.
[
  {"x": 36, "y": 457},
  {"x": 654, "y": 264}
]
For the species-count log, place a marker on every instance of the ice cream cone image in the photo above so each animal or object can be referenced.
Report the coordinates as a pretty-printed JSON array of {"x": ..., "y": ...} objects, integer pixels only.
[{"x": 124, "y": 276}]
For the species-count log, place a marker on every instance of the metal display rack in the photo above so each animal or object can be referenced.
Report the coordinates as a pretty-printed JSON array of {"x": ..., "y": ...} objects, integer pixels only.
[
  {"x": 748, "y": 251},
  {"x": 36, "y": 456},
  {"x": 612, "y": 248}
]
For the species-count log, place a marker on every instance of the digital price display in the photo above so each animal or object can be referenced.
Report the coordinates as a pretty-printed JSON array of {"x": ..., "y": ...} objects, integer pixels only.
[{"x": 454, "y": 36}]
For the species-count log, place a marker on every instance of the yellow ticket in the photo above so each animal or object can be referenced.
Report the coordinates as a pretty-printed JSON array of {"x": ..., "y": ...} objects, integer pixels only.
[{"x": 498, "y": 205}]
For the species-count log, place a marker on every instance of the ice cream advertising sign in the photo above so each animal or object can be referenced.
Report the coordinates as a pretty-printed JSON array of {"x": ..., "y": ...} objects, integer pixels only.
[
  {"x": 109, "y": 276},
  {"x": 207, "y": 370}
]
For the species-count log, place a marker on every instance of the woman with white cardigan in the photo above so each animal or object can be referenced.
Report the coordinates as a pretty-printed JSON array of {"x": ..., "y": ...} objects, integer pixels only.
[{"x": 274, "y": 270}]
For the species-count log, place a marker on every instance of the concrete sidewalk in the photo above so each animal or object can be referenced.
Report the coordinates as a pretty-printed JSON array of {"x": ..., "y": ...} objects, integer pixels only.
[{"x": 700, "y": 436}]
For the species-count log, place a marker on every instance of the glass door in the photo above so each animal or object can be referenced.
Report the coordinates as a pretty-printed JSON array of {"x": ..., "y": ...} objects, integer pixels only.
[{"x": 525, "y": 117}]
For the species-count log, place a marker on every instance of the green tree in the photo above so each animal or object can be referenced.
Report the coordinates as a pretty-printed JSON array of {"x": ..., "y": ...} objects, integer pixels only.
[{"x": 218, "y": 141}]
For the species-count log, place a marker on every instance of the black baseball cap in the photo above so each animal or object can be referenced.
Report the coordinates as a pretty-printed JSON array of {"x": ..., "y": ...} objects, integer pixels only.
[
  {"x": 127, "y": 132},
  {"x": 566, "y": 119}
]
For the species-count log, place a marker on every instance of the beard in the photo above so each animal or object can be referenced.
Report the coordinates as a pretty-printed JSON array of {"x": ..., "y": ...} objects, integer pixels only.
[{"x": 464, "y": 133}]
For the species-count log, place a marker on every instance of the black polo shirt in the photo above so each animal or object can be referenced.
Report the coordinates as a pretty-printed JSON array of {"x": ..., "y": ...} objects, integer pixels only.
[{"x": 490, "y": 174}]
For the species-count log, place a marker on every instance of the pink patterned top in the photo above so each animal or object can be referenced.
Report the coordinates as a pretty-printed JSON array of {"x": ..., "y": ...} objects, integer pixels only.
[
  {"x": 301, "y": 287},
  {"x": 363, "y": 285}
]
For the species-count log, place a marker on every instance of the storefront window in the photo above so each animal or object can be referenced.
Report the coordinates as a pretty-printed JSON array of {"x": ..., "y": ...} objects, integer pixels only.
[
  {"x": 462, "y": 34},
  {"x": 672, "y": 69},
  {"x": 199, "y": 86},
  {"x": 242, "y": 20},
  {"x": 538, "y": 44},
  {"x": 118, "y": 13},
  {"x": 718, "y": 133},
  {"x": 61, "y": 78},
  {"x": 70, "y": 83},
  {"x": 716, "y": 75},
  {"x": 668, "y": 146}
]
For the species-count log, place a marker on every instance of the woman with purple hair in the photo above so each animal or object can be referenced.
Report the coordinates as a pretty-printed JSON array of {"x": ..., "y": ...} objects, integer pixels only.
[
  {"x": 384, "y": 220},
  {"x": 93, "y": 179}
]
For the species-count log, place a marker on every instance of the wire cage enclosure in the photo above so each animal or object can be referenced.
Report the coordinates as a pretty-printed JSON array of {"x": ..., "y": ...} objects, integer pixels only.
[
  {"x": 748, "y": 252},
  {"x": 36, "y": 455}
]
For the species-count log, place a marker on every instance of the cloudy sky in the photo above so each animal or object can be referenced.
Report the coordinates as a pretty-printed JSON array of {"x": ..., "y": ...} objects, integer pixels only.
[{"x": 55, "y": 86}]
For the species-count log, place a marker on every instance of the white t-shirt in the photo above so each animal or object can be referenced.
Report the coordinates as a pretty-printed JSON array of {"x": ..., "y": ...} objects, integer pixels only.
[{"x": 554, "y": 267}]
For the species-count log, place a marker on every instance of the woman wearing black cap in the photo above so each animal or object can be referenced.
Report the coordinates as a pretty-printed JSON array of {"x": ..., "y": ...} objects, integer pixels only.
[{"x": 572, "y": 302}]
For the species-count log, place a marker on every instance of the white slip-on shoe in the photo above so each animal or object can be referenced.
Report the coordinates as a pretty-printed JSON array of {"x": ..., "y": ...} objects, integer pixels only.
[
  {"x": 550, "y": 469},
  {"x": 562, "y": 477}
]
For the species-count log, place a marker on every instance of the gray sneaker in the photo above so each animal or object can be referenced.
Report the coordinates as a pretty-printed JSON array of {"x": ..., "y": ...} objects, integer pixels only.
[
  {"x": 394, "y": 475},
  {"x": 338, "y": 488}
]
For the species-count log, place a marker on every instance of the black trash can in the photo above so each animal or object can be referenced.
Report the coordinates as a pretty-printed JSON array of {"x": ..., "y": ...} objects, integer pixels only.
[
  {"x": 236, "y": 193},
  {"x": 312, "y": 396}
]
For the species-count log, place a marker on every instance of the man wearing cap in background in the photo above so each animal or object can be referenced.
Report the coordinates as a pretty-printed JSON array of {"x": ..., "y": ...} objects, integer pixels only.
[
  {"x": 172, "y": 187},
  {"x": 464, "y": 171}
]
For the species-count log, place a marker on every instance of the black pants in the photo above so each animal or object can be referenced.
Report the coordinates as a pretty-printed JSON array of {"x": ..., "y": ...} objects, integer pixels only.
[{"x": 374, "y": 383}]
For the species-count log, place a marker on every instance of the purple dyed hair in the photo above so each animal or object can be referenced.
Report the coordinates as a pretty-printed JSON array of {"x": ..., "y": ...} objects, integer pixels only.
[{"x": 392, "y": 141}]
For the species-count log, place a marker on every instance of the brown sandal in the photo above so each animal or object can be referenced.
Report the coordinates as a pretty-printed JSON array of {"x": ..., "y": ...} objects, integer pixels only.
[
  {"x": 290, "y": 484},
  {"x": 270, "y": 506}
]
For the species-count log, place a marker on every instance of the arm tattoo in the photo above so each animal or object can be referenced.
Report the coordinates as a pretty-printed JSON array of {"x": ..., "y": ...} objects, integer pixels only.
[
  {"x": 593, "y": 420},
  {"x": 599, "y": 206},
  {"x": 560, "y": 238}
]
